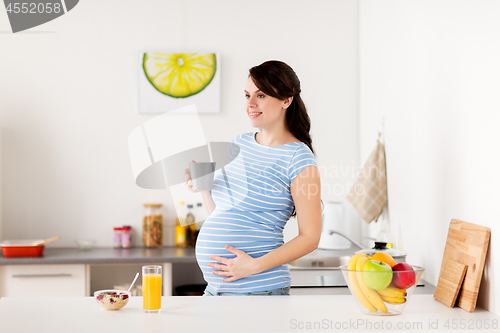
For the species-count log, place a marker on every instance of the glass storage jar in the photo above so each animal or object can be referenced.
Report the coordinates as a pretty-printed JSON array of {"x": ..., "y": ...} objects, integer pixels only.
[
  {"x": 152, "y": 227},
  {"x": 117, "y": 237},
  {"x": 126, "y": 237}
]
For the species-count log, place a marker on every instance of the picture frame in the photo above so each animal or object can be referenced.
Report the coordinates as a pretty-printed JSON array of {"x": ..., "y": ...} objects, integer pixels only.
[{"x": 172, "y": 80}]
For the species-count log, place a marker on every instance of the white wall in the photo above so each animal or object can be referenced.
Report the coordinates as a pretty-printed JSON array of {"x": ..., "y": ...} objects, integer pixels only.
[
  {"x": 68, "y": 97},
  {"x": 431, "y": 69},
  {"x": 0, "y": 185}
]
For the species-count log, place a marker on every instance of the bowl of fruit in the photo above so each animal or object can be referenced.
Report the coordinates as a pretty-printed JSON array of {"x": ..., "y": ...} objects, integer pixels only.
[{"x": 380, "y": 286}]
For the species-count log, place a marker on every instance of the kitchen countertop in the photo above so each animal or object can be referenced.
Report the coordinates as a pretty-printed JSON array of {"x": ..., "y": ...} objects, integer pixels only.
[
  {"x": 233, "y": 314},
  {"x": 54, "y": 255},
  {"x": 106, "y": 256},
  {"x": 324, "y": 278}
]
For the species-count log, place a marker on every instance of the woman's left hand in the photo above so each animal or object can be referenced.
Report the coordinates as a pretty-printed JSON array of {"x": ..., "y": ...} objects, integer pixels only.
[{"x": 241, "y": 266}]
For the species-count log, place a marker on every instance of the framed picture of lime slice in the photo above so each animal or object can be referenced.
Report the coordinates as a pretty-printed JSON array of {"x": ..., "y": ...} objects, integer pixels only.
[{"x": 168, "y": 81}]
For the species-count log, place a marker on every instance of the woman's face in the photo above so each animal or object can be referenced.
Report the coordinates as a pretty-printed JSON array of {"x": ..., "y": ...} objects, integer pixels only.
[{"x": 263, "y": 110}]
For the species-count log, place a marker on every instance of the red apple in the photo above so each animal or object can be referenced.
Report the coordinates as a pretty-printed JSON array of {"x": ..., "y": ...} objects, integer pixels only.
[{"x": 403, "y": 275}]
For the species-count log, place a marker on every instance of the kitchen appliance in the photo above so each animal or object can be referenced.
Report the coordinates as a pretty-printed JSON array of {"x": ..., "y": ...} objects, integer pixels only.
[
  {"x": 334, "y": 217},
  {"x": 399, "y": 256},
  {"x": 22, "y": 248}
]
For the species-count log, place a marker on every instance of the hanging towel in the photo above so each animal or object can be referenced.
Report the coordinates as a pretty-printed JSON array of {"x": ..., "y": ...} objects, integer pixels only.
[{"x": 368, "y": 195}]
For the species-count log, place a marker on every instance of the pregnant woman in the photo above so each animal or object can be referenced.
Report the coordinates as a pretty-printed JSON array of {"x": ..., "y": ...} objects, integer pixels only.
[{"x": 240, "y": 247}]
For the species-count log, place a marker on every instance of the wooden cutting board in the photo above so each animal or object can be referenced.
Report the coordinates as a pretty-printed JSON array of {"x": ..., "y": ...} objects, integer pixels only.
[
  {"x": 449, "y": 283},
  {"x": 467, "y": 244}
]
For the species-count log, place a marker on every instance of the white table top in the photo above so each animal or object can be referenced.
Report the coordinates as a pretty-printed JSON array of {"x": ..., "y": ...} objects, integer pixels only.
[{"x": 231, "y": 314}]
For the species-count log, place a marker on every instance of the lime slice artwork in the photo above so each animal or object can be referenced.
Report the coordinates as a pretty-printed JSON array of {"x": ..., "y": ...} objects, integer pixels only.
[{"x": 179, "y": 75}]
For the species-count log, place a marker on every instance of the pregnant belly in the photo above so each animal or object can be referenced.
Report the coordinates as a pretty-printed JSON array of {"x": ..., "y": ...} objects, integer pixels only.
[
  {"x": 256, "y": 241},
  {"x": 213, "y": 238},
  {"x": 216, "y": 233}
]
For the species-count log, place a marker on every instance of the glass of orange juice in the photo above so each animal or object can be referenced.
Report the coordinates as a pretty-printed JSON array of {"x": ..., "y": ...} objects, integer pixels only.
[{"x": 151, "y": 288}]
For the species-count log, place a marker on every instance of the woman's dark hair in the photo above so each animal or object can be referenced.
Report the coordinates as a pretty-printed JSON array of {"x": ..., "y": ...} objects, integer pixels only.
[{"x": 277, "y": 79}]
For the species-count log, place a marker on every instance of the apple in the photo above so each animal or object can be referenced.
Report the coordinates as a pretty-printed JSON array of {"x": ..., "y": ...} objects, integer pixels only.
[
  {"x": 377, "y": 274},
  {"x": 404, "y": 276}
]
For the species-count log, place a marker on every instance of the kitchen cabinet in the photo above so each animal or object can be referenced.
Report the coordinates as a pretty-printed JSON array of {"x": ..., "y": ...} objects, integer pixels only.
[
  {"x": 106, "y": 276},
  {"x": 73, "y": 280},
  {"x": 43, "y": 280},
  {"x": 71, "y": 272}
]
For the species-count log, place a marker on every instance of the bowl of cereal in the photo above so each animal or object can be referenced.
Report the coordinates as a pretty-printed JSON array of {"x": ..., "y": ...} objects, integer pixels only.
[{"x": 112, "y": 299}]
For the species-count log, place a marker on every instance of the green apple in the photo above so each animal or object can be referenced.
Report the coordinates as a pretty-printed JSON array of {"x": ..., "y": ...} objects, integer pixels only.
[{"x": 377, "y": 274}]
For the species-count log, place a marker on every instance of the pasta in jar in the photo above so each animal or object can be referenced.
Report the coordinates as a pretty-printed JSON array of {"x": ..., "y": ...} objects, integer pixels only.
[{"x": 152, "y": 226}]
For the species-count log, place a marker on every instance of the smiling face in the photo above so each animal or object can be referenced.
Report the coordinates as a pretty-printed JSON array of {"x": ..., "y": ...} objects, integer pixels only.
[{"x": 263, "y": 110}]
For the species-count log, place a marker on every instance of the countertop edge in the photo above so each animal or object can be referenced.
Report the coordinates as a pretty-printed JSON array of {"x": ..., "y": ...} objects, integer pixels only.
[{"x": 67, "y": 256}]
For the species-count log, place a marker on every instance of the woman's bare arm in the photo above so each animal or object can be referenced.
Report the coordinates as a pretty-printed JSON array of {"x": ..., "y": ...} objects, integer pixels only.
[{"x": 208, "y": 201}]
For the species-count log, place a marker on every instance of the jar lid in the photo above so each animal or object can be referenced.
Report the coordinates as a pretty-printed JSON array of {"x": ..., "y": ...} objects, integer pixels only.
[
  {"x": 153, "y": 205},
  {"x": 126, "y": 227},
  {"x": 117, "y": 228},
  {"x": 382, "y": 247}
]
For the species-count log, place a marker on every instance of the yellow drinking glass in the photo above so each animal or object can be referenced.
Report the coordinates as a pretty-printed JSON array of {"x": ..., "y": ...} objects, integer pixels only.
[{"x": 151, "y": 288}]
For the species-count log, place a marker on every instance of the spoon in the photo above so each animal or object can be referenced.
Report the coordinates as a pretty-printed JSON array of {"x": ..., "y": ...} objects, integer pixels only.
[
  {"x": 45, "y": 241},
  {"x": 136, "y": 276}
]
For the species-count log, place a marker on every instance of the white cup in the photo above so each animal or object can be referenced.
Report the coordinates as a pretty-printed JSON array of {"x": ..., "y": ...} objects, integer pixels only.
[{"x": 202, "y": 175}]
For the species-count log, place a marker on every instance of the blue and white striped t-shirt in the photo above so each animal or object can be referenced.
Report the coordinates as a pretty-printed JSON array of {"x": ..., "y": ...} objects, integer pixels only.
[{"x": 253, "y": 203}]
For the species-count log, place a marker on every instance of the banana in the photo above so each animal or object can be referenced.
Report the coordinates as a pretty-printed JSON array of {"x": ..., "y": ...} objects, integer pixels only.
[
  {"x": 394, "y": 300},
  {"x": 371, "y": 294},
  {"x": 354, "y": 259},
  {"x": 353, "y": 283},
  {"x": 392, "y": 292},
  {"x": 393, "y": 295}
]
